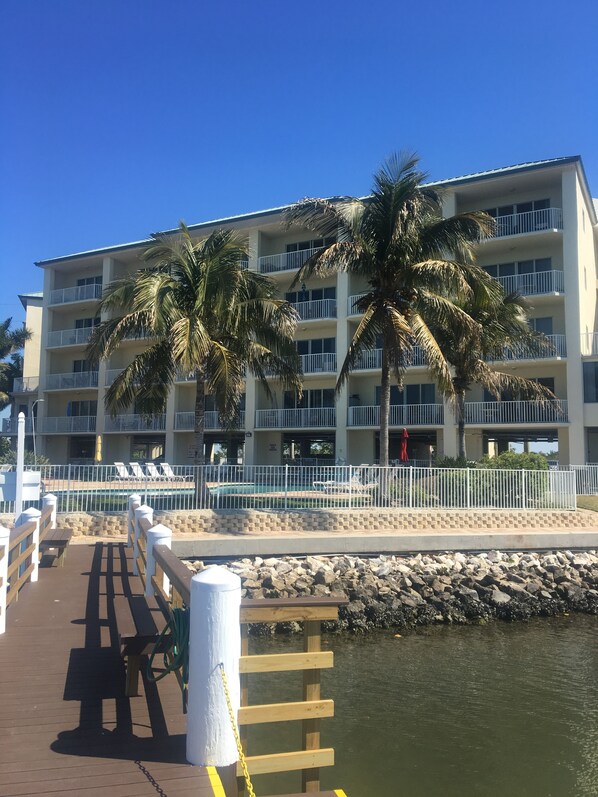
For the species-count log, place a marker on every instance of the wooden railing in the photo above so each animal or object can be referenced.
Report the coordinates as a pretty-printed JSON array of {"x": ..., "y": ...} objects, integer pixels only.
[{"x": 310, "y": 662}]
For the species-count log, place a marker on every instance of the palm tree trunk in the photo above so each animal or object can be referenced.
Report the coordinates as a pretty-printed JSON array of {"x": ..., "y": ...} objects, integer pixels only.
[
  {"x": 384, "y": 407},
  {"x": 460, "y": 408},
  {"x": 200, "y": 418}
]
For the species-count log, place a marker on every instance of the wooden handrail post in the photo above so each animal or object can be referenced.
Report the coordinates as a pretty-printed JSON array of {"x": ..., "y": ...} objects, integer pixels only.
[
  {"x": 312, "y": 643},
  {"x": 4, "y": 542},
  {"x": 50, "y": 500},
  {"x": 134, "y": 502},
  {"x": 28, "y": 516},
  {"x": 157, "y": 535},
  {"x": 142, "y": 511},
  {"x": 214, "y": 644}
]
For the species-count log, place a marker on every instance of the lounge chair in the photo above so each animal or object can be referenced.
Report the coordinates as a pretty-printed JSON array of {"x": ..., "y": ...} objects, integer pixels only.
[
  {"x": 137, "y": 472},
  {"x": 171, "y": 475},
  {"x": 153, "y": 472},
  {"x": 122, "y": 474},
  {"x": 339, "y": 486}
]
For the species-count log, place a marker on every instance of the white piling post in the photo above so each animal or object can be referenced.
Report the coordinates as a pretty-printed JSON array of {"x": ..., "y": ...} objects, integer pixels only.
[
  {"x": 215, "y": 640},
  {"x": 50, "y": 499},
  {"x": 4, "y": 540},
  {"x": 142, "y": 511},
  {"x": 20, "y": 463},
  {"x": 32, "y": 515},
  {"x": 157, "y": 535},
  {"x": 134, "y": 502}
]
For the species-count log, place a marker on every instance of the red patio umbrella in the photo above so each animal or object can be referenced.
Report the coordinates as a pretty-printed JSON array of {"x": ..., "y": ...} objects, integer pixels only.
[{"x": 403, "y": 452}]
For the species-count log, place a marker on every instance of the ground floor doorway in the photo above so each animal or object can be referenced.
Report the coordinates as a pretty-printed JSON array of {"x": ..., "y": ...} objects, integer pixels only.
[
  {"x": 421, "y": 447},
  {"x": 300, "y": 448},
  {"x": 148, "y": 448},
  {"x": 496, "y": 442},
  {"x": 82, "y": 450}
]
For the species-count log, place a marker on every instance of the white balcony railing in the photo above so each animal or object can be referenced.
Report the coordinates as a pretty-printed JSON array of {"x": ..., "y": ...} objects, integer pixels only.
[
  {"x": 318, "y": 308},
  {"x": 351, "y": 309},
  {"x": 372, "y": 359},
  {"x": 400, "y": 415},
  {"x": 318, "y": 363},
  {"x": 308, "y": 418},
  {"x": 69, "y": 337},
  {"x": 67, "y": 381},
  {"x": 25, "y": 384},
  {"x": 185, "y": 421},
  {"x": 110, "y": 375},
  {"x": 285, "y": 261},
  {"x": 63, "y": 424},
  {"x": 9, "y": 426},
  {"x": 136, "y": 423},
  {"x": 78, "y": 293},
  {"x": 534, "y": 283},
  {"x": 558, "y": 348},
  {"x": 490, "y": 412},
  {"x": 531, "y": 221},
  {"x": 589, "y": 344}
]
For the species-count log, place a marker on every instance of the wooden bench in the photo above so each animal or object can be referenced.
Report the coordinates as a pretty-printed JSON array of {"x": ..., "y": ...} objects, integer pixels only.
[
  {"x": 56, "y": 539},
  {"x": 139, "y": 622}
]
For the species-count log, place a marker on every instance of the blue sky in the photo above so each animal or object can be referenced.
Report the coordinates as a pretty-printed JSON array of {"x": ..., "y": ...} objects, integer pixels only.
[{"x": 120, "y": 118}]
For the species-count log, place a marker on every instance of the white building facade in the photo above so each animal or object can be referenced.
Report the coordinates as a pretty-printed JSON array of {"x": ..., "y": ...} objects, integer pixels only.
[{"x": 545, "y": 248}]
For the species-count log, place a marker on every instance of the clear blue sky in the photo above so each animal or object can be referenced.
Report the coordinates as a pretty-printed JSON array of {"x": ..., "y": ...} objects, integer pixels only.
[{"x": 120, "y": 118}]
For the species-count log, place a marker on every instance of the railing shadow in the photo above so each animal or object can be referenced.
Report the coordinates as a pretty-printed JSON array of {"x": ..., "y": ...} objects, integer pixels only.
[{"x": 96, "y": 678}]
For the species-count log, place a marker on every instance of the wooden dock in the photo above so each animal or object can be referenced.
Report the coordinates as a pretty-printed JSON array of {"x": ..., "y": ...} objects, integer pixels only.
[{"x": 66, "y": 727}]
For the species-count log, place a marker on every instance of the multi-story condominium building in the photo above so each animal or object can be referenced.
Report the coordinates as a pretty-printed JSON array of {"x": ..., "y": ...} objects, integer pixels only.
[{"x": 544, "y": 247}]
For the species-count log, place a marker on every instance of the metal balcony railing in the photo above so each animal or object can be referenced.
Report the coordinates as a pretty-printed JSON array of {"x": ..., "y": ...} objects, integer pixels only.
[
  {"x": 318, "y": 363},
  {"x": 318, "y": 308},
  {"x": 136, "y": 423},
  {"x": 534, "y": 283},
  {"x": 73, "y": 380},
  {"x": 558, "y": 348},
  {"x": 25, "y": 384},
  {"x": 69, "y": 337},
  {"x": 78, "y": 293},
  {"x": 372, "y": 359},
  {"x": 351, "y": 309},
  {"x": 400, "y": 415},
  {"x": 589, "y": 344},
  {"x": 530, "y": 221},
  {"x": 185, "y": 421},
  {"x": 308, "y": 418},
  {"x": 64, "y": 424},
  {"x": 491, "y": 412},
  {"x": 9, "y": 426},
  {"x": 285, "y": 261}
]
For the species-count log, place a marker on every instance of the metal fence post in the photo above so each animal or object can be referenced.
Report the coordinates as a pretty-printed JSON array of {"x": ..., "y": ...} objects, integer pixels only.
[
  {"x": 286, "y": 487},
  {"x": 31, "y": 515},
  {"x": 467, "y": 470},
  {"x": 157, "y": 535},
  {"x": 523, "y": 489},
  {"x": 350, "y": 483},
  {"x": 68, "y": 489},
  {"x": 410, "y": 486}
]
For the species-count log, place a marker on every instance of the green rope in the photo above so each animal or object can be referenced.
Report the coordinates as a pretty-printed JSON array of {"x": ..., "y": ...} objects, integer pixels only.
[{"x": 173, "y": 644}]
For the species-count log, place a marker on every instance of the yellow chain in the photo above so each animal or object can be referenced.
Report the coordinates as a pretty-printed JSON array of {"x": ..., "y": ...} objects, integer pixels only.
[{"x": 233, "y": 723}]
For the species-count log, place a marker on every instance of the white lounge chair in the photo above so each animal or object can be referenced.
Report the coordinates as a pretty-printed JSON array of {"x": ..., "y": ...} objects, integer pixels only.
[
  {"x": 122, "y": 474},
  {"x": 171, "y": 475},
  {"x": 137, "y": 472},
  {"x": 153, "y": 472},
  {"x": 336, "y": 486}
]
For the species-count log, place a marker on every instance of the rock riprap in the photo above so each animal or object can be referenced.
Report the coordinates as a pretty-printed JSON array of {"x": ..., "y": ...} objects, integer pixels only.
[{"x": 405, "y": 592}]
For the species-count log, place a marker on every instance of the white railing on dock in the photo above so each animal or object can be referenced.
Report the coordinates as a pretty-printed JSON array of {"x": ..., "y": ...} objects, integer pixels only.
[
  {"x": 400, "y": 415},
  {"x": 489, "y": 412},
  {"x": 102, "y": 488}
]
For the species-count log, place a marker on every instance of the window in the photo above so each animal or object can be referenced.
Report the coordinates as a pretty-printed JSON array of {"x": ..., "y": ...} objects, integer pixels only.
[
  {"x": 81, "y": 366},
  {"x": 79, "y": 409},
  {"x": 543, "y": 325},
  {"x": 317, "y": 346},
  {"x": 316, "y": 243},
  {"x": 520, "y": 267},
  {"x": 89, "y": 281},
  {"x": 310, "y": 295},
  {"x": 520, "y": 207},
  {"x": 413, "y": 394},
  {"x": 310, "y": 399},
  {"x": 86, "y": 323},
  {"x": 590, "y": 382}
]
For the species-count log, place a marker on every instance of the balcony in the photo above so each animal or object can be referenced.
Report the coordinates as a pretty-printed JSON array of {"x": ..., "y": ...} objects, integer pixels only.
[
  {"x": 322, "y": 363},
  {"x": 351, "y": 309},
  {"x": 371, "y": 359},
  {"x": 79, "y": 293},
  {"x": 558, "y": 349},
  {"x": 25, "y": 384},
  {"x": 535, "y": 283},
  {"x": 185, "y": 421},
  {"x": 308, "y": 418},
  {"x": 72, "y": 381},
  {"x": 64, "y": 424},
  {"x": 589, "y": 344},
  {"x": 136, "y": 423},
  {"x": 285, "y": 261},
  {"x": 497, "y": 412},
  {"x": 400, "y": 415},
  {"x": 317, "y": 309},
  {"x": 531, "y": 221},
  {"x": 9, "y": 426},
  {"x": 69, "y": 337}
]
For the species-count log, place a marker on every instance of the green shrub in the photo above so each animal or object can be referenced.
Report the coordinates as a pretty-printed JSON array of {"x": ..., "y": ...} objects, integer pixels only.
[{"x": 509, "y": 460}]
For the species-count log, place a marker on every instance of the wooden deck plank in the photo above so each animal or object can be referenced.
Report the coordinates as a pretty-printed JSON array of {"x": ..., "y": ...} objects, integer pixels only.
[{"x": 66, "y": 726}]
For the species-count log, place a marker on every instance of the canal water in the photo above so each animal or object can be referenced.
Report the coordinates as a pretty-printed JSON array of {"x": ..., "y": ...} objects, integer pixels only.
[{"x": 502, "y": 710}]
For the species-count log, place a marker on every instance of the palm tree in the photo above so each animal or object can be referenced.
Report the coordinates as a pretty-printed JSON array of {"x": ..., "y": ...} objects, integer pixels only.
[
  {"x": 203, "y": 314},
  {"x": 503, "y": 325},
  {"x": 397, "y": 242},
  {"x": 11, "y": 343}
]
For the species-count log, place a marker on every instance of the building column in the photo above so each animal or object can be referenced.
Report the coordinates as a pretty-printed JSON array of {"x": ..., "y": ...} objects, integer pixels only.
[
  {"x": 450, "y": 437},
  {"x": 250, "y": 408},
  {"x": 169, "y": 452},
  {"x": 342, "y": 345}
]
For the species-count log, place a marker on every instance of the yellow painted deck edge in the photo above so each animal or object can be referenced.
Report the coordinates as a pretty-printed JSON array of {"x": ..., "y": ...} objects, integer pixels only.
[
  {"x": 215, "y": 782},
  {"x": 340, "y": 793}
]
